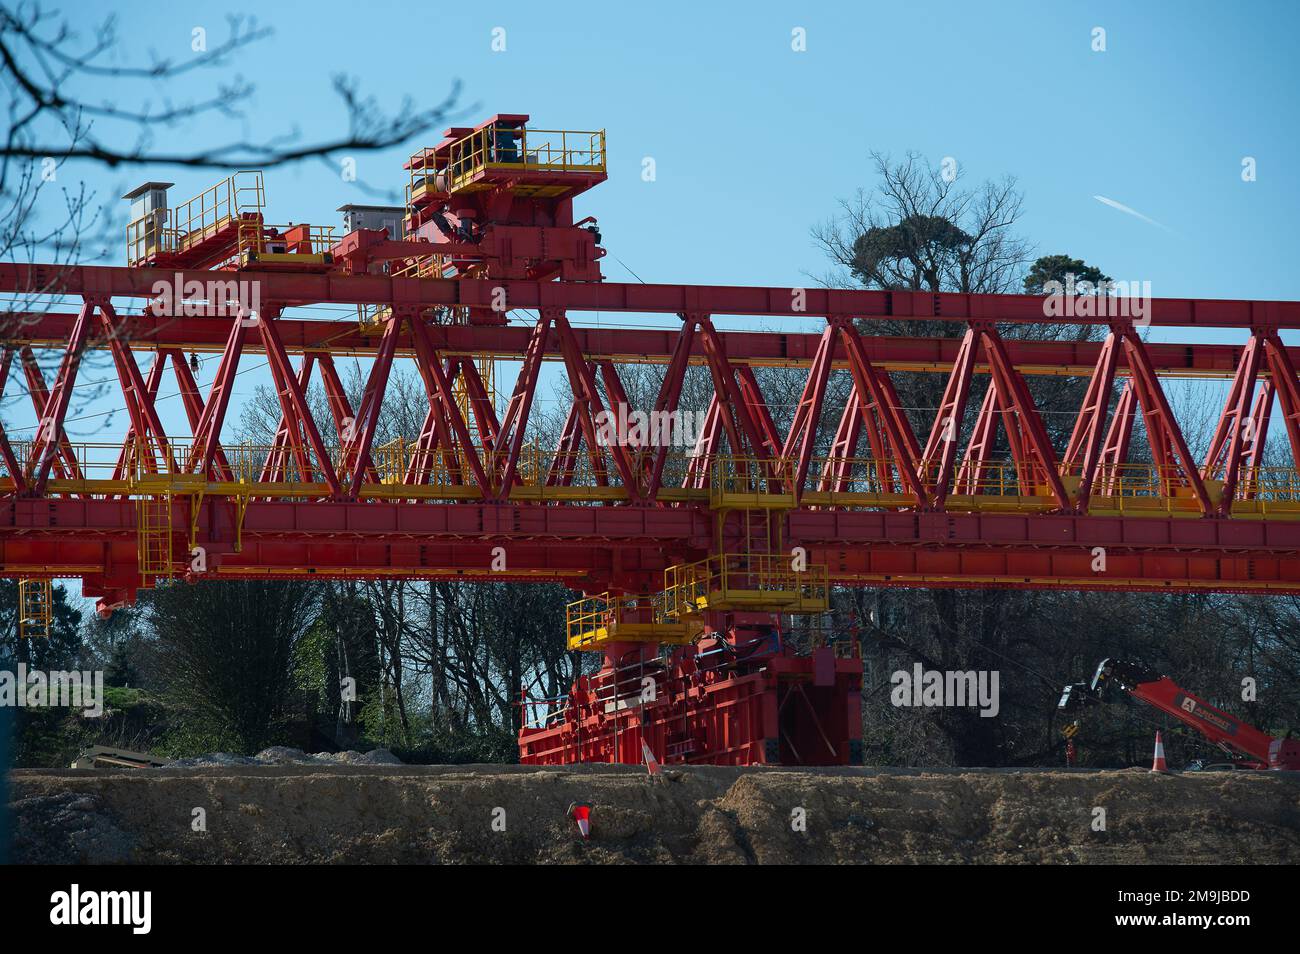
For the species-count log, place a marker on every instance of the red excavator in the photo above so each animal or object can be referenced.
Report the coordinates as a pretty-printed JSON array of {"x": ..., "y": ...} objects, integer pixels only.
[{"x": 1247, "y": 746}]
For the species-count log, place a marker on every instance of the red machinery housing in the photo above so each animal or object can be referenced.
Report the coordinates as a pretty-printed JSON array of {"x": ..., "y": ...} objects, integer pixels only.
[{"x": 717, "y": 702}]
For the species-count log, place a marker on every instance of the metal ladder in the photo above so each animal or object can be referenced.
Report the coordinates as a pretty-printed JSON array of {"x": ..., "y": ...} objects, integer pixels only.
[
  {"x": 154, "y": 542},
  {"x": 35, "y": 608}
]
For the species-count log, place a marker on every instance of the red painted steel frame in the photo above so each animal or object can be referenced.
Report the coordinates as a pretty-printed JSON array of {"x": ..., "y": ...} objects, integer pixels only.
[
  {"x": 788, "y": 710},
  {"x": 1219, "y": 531}
]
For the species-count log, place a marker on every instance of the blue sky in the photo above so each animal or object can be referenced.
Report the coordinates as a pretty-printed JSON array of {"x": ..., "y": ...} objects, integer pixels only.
[{"x": 754, "y": 142}]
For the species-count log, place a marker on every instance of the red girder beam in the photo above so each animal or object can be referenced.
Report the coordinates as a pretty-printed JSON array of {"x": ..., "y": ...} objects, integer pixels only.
[
  {"x": 104, "y": 281},
  {"x": 147, "y": 332},
  {"x": 315, "y": 538}
]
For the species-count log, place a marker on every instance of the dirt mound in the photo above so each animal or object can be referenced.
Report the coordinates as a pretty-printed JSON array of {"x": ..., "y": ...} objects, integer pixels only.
[{"x": 310, "y": 812}]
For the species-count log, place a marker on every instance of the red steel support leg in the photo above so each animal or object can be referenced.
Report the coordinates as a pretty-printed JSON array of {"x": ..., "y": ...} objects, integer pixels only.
[
  {"x": 757, "y": 407},
  {"x": 207, "y": 434},
  {"x": 802, "y": 437},
  {"x": 979, "y": 451},
  {"x": 193, "y": 402},
  {"x": 1084, "y": 451},
  {"x": 837, "y": 471},
  {"x": 436, "y": 437},
  {"x": 1259, "y": 421},
  {"x": 1233, "y": 424},
  {"x": 706, "y": 447},
  {"x": 1167, "y": 444},
  {"x": 1119, "y": 436},
  {"x": 356, "y": 460},
  {"x": 151, "y": 384},
  {"x": 586, "y": 397},
  {"x": 49, "y": 433},
  {"x": 505, "y": 458},
  {"x": 480, "y": 404},
  {"x": 565, "y": 459},
  {"x": 1038, "y": 454},
  {"x": 139, "y": 397},
  {"x": 293, "y": 400},
  {"x": 442, "y": 401},
  {"x": 6, "y": 449},
  {"x": 736, "y": 419},
  {"x": 902, "y": 438},
  {"x": 941, "y": 448},
  {"x": 1288, "y": 392},
  {"x": 288, "y": 434},
  {"x": 65, "y": 461},
  {"x": 670, "y": 393}
]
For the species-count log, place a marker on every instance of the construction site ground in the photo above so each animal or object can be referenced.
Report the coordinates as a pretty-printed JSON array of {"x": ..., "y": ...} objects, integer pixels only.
[{"x": 347, "y": 813}]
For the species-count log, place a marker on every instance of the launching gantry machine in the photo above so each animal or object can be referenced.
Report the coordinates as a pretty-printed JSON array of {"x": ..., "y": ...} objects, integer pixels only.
[{"x": 706, "y": 569}]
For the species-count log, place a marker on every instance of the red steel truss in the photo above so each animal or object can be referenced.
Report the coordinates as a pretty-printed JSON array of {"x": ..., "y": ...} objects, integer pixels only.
[
  {"x": 684, "y": 541},
  {"x": 876, "y": 505}
]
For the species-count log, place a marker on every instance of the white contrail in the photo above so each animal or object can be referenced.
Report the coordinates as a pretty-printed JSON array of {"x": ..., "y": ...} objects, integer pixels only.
[{"x": 1133, "y": 212}]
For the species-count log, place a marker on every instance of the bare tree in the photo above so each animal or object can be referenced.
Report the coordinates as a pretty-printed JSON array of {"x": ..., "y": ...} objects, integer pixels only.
[
  {"x": 74, "y": 100},
  {"x": 921, "y": 230}
]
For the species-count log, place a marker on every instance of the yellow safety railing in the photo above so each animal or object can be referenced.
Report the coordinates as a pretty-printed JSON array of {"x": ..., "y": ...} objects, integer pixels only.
[
  {"x": 872, "y": 476},
  {"x": 594, "y": 621},
  {"x": 258, "y": 239},
  {"x": 737, "y": 481},
  {"x": 776, "y": 581},
  {"x": 505, "y": 146},
  {"x": 241, "y": 194}
]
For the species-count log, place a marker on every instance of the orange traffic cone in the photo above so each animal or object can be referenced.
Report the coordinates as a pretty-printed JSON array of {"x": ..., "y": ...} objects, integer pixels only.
[
  {"x": 582, "y": 815},
  {"x": 1159, "y": 764},
  {"x": 651, "y": 763}
]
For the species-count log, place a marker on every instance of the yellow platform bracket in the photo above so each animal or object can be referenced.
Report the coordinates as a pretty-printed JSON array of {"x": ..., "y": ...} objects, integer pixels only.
[
  {"x": 35, "y": 608},
  {"x": 746, "y": 581},
  {"x": 596, "y": 621}
]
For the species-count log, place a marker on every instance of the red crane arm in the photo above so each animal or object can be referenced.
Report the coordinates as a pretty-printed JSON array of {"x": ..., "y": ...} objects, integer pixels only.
[
  {"x": 1215, "y": 724},
  {"x": 1226, "y": 731}
]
